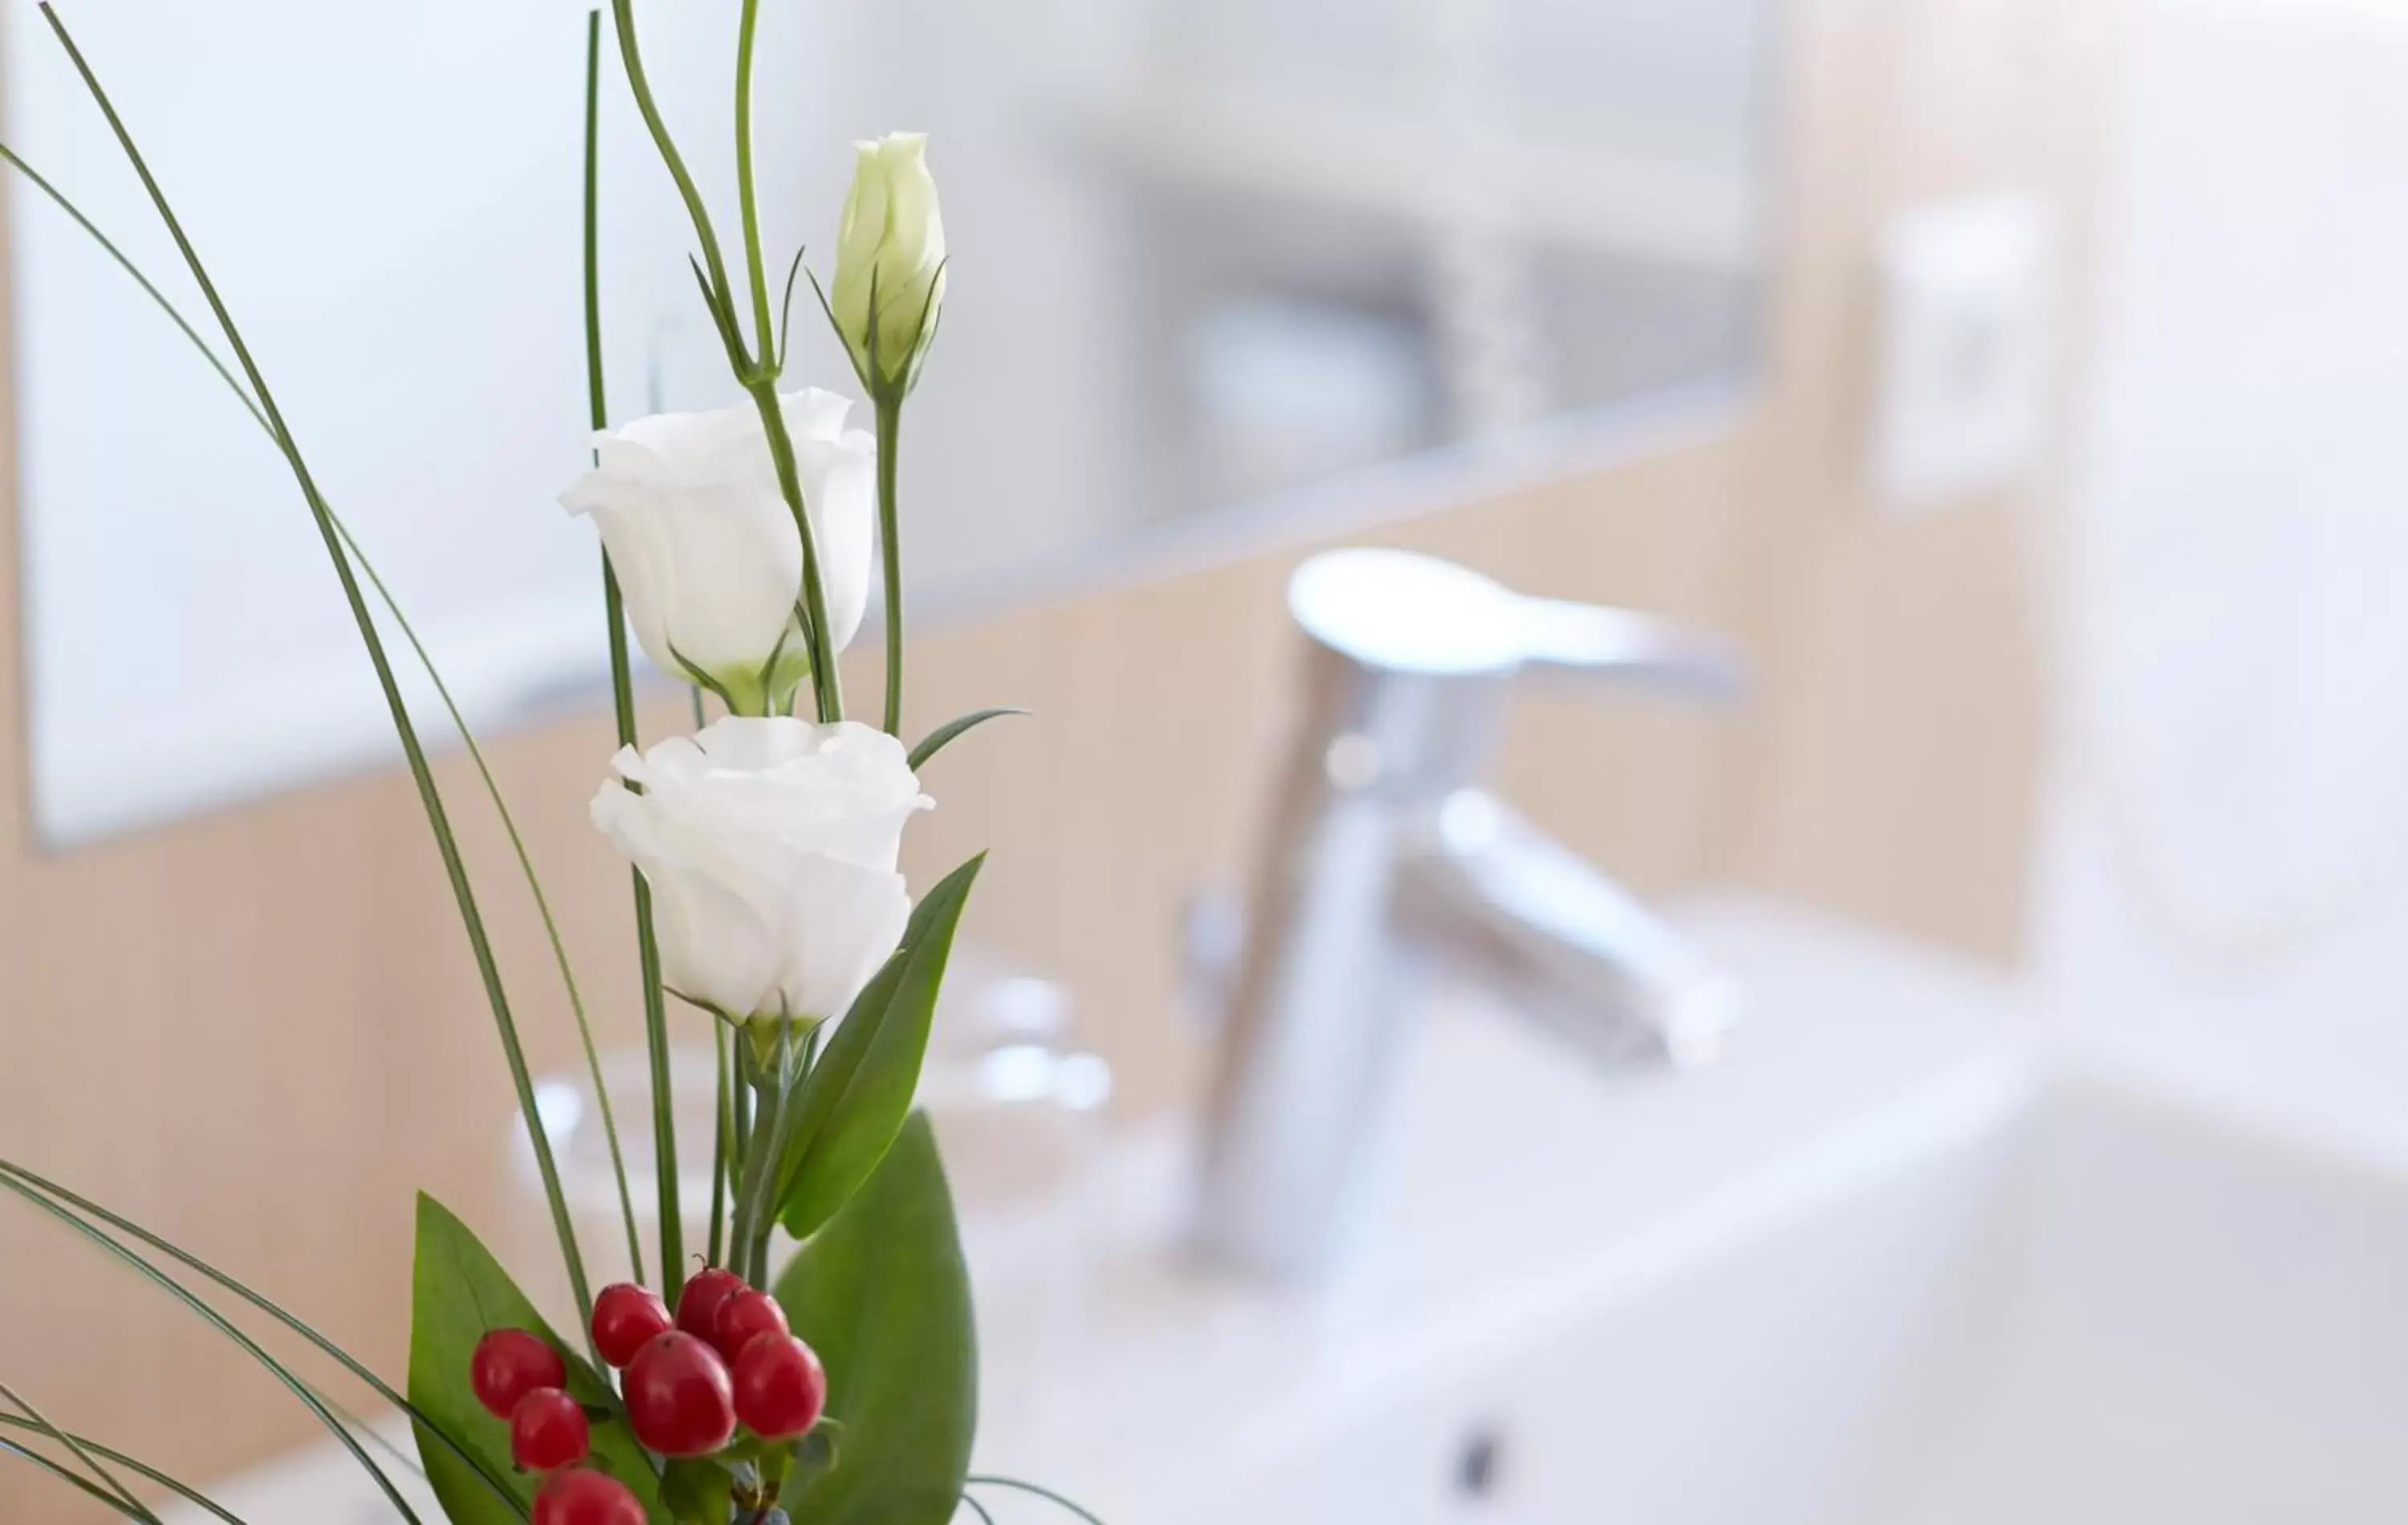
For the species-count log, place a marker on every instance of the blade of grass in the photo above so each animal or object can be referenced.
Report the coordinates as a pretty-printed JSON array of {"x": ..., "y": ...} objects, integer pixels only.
[
  {"x": 438, "y": 820},
  {"x": 425, "y": 661},
  {"x": 69, "y": 1475},
  {"x": 373, "y": 1435},
  {"x": 26, "y": 1184},
  {"x": 623, "y": 696},
  {"x": 140, "y": 1468},
  {"x": 10, "y": 1180},
  {"x": 990, "y": 1480},
  {"x": 41, "y": 1422}
]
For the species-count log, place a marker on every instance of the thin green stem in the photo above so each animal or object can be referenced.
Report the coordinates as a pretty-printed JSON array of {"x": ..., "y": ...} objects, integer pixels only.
[
  {"x": 38, "y": 1190},
  {"x": 744, "y": 191},
  {"x": 890, "y": 550},
  {"x": 41, "y": 1423},
  {"x": 135, "y": 1465},
  {"x": 437, "y": 819},
  {"x": 764, "y": 1209},
  {"x": 623, "y": 682},
  {"x": 759, "y": 378},
  {"x": 218, "y": 1321},
  {"x": 747, "y": 1151},
  {"x": 401, "y": 621},
  {"x": 722, "y": 1146},
  {"x": 622, "y": 13},
  {"x": 828, "y": 689}
]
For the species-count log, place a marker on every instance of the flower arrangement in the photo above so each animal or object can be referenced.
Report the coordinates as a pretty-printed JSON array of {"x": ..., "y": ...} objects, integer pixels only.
[{"x": 738, "y": 547}]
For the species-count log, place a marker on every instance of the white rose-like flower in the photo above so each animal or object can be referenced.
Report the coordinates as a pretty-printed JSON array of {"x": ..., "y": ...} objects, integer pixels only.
[
  {"x": 890, "y": 235},
  {"x": 769, "y": 845},
  {"x": 704, "y": 547}
]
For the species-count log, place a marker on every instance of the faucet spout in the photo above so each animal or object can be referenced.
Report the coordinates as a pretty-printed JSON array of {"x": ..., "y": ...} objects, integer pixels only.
[{"x": 1523, "y": 913}]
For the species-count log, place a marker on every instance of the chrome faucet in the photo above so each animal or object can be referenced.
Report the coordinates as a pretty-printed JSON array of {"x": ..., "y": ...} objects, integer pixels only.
[{"x": 1387, "y": 860}]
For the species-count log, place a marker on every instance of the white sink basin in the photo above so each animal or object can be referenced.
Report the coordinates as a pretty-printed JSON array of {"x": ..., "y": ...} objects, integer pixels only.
[
  {"x": 1894, "y": 1263},
  {"x": 2077, "y": 1308}
]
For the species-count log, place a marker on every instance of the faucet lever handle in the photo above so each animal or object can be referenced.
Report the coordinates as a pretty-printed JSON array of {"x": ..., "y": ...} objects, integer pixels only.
[
  {"x": 1622, "y": 646},
  {"x": 1397, "y": 613}
]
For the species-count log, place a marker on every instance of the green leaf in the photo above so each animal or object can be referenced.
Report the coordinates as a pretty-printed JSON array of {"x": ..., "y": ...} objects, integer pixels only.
[
  {"x": 856, "y": 1095},
  {"x": 698, "y": 1487},
  {"x": 883, "y": 1296},
  {"x": 936, "y": 740},
  {"x": 458, "y": 1293}
]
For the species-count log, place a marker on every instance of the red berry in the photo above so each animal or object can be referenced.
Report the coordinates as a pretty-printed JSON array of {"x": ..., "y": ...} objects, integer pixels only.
[
  {"x": 697, "y": 1307},
  {"x": 679, "y": 1398},
  {"x": 741, "y": 1319},
  {"x": 584, "y": 1497},
  {"x": 626, "y": 1317},
  {"x": 508, "y": 1365},
  {"x": 780, "y": 1387},
  {"x": 548, "y": 1430}
]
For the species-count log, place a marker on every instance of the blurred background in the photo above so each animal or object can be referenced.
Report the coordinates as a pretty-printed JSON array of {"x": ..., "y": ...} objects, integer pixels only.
[{"x": 2019, "y": 382}]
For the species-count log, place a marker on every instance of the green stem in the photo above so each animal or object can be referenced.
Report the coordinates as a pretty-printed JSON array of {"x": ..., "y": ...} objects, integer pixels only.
[
  {"x": 418, "y": 648},
  {"x": 38, "y": 1190},
  {"x": 623, "y": 12},
  {"x": 623, "y": 687},
  {"x": 764, "y": 1217},
  {"x": 890, "y": 550},
  {"x": 827, "y": 690},
  {"x": 438, "y": 820},
  {"x": 722, "y": 1146},
  {"x": 747, "y": 1152},
  {"x": 750, "y": 201},
  {"x": 135, "y": 1465}
]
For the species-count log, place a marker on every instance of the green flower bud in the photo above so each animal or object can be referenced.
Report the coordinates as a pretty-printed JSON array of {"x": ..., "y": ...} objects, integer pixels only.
[{"x": 890, "y": 262}]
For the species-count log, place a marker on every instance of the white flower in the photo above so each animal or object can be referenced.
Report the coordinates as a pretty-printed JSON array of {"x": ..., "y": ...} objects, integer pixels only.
[
  {"x": 892, "y": 234},
  {"x": 769, "y": 845},
  {"x": 704, "y": 547}
]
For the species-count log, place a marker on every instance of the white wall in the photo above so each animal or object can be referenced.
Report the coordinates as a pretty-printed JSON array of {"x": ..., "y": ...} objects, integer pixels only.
[
  {"x": 389, "y": 197},
  {"x": 2223, "y": 887}
]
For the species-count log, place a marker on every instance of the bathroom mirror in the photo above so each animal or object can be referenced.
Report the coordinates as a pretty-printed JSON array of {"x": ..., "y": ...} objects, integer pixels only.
[{"x": 1226, "y": 257}]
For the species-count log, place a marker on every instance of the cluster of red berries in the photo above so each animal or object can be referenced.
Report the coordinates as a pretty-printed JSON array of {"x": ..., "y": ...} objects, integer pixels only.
[{"x": 727, "y": 1358}]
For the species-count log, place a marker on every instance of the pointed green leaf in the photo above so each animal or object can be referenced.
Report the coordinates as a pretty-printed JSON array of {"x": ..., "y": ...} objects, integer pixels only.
[
  {"x": 458, "y": 1293},
  {"x": 883, "y": 1296},
  {"x": 935, "y": 740},
  {"x": 856, "y": 1095}
]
